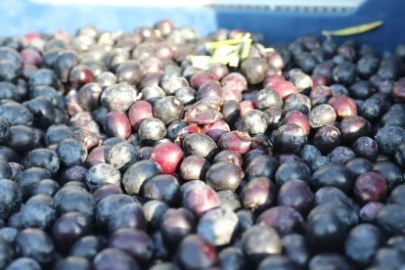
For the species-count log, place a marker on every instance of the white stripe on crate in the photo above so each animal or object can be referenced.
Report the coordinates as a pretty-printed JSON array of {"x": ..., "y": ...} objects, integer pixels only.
[{"x": 271, "y": 4}]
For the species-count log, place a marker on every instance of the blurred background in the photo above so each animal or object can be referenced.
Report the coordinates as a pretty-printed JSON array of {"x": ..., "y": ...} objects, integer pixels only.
[{"x": 279, "y": 20}]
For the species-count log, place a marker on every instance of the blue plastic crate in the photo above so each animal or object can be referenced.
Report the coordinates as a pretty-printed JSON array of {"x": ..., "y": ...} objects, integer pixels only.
[{"x": 278, "y": 26}]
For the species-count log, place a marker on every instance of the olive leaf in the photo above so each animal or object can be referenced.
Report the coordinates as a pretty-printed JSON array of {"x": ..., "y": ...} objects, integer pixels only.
[
  {"x": 200, "y": 61},
  {"x": 353, "y": 30},
  {"x": 227, "y": 52},
  {"x": 246, "y": 49},
  {"x": 222, "y": 54}
]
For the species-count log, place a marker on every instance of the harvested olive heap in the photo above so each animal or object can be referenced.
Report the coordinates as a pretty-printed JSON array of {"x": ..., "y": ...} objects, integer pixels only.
[{"x": 162, "y": 150}]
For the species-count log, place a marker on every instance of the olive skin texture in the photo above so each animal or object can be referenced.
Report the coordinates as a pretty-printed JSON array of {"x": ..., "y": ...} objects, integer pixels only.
[{"x": 167, "y": 148}]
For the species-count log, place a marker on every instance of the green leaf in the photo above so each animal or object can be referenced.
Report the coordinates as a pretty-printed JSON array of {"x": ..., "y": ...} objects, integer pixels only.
[
  {"x": 201, "y": 61},
  {"x": 269, "y": 50},
  {"x": 354, "y": 30},
  {"x": 221, "y": 54},
  {"x": 210, "y": 46},
  {"x": 234, "y": 59},
  {"x": 246, "y": 49}
]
